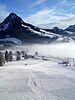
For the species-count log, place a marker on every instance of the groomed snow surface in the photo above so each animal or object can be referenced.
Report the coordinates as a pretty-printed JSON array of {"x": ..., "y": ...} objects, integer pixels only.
[{"x": 37, "y": 79}]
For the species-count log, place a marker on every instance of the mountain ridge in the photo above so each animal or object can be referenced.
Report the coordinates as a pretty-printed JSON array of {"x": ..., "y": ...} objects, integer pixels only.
[{"x": 14, "y": 26}]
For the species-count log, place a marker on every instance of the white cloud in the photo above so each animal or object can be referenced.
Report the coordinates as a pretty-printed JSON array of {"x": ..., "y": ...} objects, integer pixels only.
[
  {"x": 40, "y": 16},
  {"x": 3, "y": 12},
  {"x": 37, "y": 3},
  {"x": 68, "y": 3},
  {"x": 51, "y": 17},
  {"x": 64, "y": 1}
]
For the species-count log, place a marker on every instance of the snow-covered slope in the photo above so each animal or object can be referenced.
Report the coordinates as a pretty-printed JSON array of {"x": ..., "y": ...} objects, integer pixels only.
[
  {"x": 37, "y": 80},
  {"x": 64, "y": 40},
  {"x": 41, "y": 32},
  {"x": 11, "y": 39}
]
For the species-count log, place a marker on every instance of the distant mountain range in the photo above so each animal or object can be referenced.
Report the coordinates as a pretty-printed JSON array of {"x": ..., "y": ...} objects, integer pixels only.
[{"x": 14, "y": 30}]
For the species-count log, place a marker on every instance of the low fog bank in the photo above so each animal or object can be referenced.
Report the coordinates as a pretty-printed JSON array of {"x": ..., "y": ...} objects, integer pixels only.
[{"x": 56, "y": 50}]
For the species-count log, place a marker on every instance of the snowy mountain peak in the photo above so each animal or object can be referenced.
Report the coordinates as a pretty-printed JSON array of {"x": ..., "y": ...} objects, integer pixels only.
[
  {"x": 11, "y": 17},
  {"x": 12, "y": 14},
  {"x": 55, "y": 28},
  {"x": 15, "y": 27},
  {"x": 71, "y": 28}
]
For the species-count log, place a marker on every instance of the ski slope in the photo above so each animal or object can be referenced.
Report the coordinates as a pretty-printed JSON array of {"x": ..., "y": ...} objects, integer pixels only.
[{"x": 36, "y": 80}]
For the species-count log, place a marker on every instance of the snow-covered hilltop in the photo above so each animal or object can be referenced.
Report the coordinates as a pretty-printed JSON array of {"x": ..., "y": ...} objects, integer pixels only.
[{"x": 14, "y": 27}]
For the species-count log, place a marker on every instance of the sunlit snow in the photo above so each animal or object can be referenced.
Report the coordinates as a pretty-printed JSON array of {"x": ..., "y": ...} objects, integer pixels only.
[{"x": 38, "y": 79}]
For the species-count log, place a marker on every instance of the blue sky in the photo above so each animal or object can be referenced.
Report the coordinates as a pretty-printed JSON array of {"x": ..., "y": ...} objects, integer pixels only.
[{"x": 44, "y": 13}]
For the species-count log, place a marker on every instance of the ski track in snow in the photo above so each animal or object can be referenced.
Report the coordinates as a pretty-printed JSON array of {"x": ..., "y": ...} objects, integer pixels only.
[{"x": 38, "y": 80}]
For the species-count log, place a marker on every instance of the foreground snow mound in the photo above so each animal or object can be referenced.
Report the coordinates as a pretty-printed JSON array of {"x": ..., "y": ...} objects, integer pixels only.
[{"x": 36, "y": 80}]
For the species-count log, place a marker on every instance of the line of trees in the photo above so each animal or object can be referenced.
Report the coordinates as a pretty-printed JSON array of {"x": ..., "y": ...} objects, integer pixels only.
[
  {"x": 2, "y": 60},
  {"x": 8, "y": 56}
]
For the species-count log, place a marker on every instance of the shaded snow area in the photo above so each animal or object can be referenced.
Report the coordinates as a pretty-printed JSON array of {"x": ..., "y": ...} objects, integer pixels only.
[
  {"x": 11, "y": 39},
  {"x": 36, "y": 80}
]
